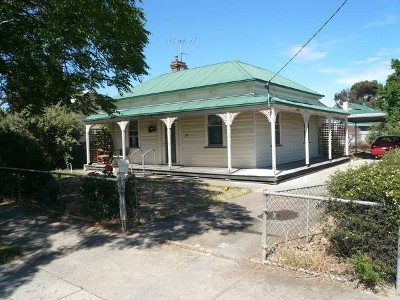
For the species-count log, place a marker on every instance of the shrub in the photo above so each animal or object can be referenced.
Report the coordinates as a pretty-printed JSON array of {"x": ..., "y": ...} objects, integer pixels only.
[
  {"x": 369, "y": 271},
  {"x": 384, "y": 128},
  {"x": 20, "y": 150},
  {"x": 103, "y": 197},
  {"x": 371, "y": 231},
  {"x": 64, "y": 128},
  {"x": 39, "y": 141}
]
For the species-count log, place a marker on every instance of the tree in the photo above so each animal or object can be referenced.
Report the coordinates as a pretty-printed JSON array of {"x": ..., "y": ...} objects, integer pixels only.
[
  {"x": 57, "y": 51},
  {"x": 362, "y": 92},
  {"x": 41, "y": 141},
  {"x": 389, "y": 101}
]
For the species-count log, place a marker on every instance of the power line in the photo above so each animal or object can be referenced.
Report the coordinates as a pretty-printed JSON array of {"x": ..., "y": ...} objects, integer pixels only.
[{"x": 327, "y": 21}]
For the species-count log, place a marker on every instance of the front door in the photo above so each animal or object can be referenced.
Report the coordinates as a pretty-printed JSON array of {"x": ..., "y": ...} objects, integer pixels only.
[{"x": 173, "y": 144}]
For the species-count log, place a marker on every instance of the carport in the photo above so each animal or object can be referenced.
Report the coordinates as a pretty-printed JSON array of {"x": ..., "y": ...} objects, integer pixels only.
[{"x": 362, "y": 114}]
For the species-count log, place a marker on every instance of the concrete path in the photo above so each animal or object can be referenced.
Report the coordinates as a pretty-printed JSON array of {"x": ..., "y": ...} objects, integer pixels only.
[{"x": 212, "y": 254}]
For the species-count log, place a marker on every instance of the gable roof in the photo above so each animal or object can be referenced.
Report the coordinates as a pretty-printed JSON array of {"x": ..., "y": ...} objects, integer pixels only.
[
  {"x": 362, "y": 113},
  {"x": 355, "y": 108},
  {"x": 212, "y": 75}
]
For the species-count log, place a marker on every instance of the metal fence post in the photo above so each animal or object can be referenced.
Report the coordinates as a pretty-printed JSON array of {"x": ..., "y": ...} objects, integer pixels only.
[
  {"x": 121, "y": 182},
  {"x": 398, "y": 264},
  {"x": 264, "y": 228},
  {"x": 308, "y": 221},
  {"x": 19, "y": 186}
]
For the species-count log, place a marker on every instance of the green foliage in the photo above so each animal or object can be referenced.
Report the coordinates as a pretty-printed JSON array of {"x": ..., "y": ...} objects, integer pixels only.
[
  {"x": 103, "y": 139},
  {"x": 41, "y": 188},
  {"x": 21, "y": 151},
  {"x": 39, "y": 141},
  {"x": 8, "y": 253},
  {"x": 389, "y": 100},
  {"x": 54, "y": 51},
  {"x": 103, "y": 197},
  {"x": 64, "y": 128},
  {"x": 362, "y": 92},
  {"x": 368, "y": 270},
  {"x": 372, "y": 231}
]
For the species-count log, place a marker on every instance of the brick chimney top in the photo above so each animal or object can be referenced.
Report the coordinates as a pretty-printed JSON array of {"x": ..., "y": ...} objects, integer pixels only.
[{"x": 178, "y": 65}]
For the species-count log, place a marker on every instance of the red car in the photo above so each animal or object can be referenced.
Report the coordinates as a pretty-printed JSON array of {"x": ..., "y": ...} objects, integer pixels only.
[{"x": 384, "y": 144}]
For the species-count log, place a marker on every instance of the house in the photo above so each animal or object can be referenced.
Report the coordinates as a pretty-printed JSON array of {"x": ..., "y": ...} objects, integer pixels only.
[
  {"x": 360, "y": 120},
  {"x": 228, "y": 115}
]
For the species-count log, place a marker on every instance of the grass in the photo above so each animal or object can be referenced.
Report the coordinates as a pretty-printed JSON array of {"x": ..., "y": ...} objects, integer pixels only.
[
  {"x": 8, "y": 253},
  {"x": 74, "y": 171},
  {"x": 315, "y": 256},
  {"x": 225, "y": 193}
]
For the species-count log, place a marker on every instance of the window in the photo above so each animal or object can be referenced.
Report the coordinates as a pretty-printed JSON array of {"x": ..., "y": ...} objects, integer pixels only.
[
  {"x": 133, "y": 134},
  {"x": 214, "y": 131},
  {"x": 278, "y": 129}
]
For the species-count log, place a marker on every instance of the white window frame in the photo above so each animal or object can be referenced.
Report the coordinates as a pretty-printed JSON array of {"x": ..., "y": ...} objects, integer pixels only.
[
  {"x": 130, "y": 131},
  {"x": 207, "y": 140}
]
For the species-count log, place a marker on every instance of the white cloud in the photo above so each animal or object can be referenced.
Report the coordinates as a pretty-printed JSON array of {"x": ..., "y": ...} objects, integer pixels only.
[
  {"x": 383, "y": 54},
  {"x": 383, "y": 20},
  {"x": 369, "y": 60},
  {"x": 378, "y": 72},
  {"x": 331, "y": 70},
  {"x": 308, "y": 53}
]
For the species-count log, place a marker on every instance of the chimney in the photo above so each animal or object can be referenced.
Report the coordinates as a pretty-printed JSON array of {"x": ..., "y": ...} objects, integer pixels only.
[
  {"x": 345, "y": 105},
  {"x": 178, "y": 65}
]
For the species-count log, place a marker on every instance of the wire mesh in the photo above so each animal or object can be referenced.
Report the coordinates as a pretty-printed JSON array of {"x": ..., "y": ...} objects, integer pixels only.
[
  {"x": 90, "y": 197},
  {"x": 306, "y": 229}
]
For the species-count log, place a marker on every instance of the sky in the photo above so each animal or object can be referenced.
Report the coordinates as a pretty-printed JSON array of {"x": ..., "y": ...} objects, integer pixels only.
[{"x": 357, "y": 44}]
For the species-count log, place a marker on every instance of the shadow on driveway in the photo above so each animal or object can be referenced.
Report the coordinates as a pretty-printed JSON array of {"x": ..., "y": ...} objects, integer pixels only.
[{"x": 44, "y": 239}]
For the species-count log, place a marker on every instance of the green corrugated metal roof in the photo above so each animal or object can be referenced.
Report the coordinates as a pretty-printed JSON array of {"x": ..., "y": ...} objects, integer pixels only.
[
  {"x": 310, "y": 106},
  {"x": 209, "y": 104},
  {"x": 211, "y": 75},
  {"x": 355, "y": 108}
]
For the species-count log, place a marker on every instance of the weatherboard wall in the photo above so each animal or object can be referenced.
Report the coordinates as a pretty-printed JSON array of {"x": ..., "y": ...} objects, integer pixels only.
[
  {"x": 250, "y": 141},
  {"x": 194, "y": 150},
  {"x": 262, "y": 132},
  {"x": 292, "y": 146}
]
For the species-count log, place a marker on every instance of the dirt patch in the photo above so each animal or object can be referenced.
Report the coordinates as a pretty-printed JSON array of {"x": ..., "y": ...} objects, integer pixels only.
[{"x": 164, "y": 198}]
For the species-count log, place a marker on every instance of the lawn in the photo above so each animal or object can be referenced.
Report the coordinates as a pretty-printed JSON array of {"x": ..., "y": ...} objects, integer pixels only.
[
  {"x": 168, "y": 198},
  {"x": 8, "y": 252}
]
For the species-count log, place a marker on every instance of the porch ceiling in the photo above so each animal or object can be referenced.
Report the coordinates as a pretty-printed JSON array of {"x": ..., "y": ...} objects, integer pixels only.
[{"x": 211, "y": 104}]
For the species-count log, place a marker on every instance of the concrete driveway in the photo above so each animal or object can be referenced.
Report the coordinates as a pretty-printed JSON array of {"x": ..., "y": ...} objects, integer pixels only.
[{"x": 212, "y": 254}]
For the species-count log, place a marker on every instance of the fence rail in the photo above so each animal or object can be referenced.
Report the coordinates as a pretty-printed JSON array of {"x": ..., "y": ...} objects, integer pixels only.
[{"x": 306, "y": 228}]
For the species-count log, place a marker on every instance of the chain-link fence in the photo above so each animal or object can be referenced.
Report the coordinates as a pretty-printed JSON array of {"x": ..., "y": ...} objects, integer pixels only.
[
  {"x": 309, "y": 230},
  {"x": 97, "y": 198}
]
